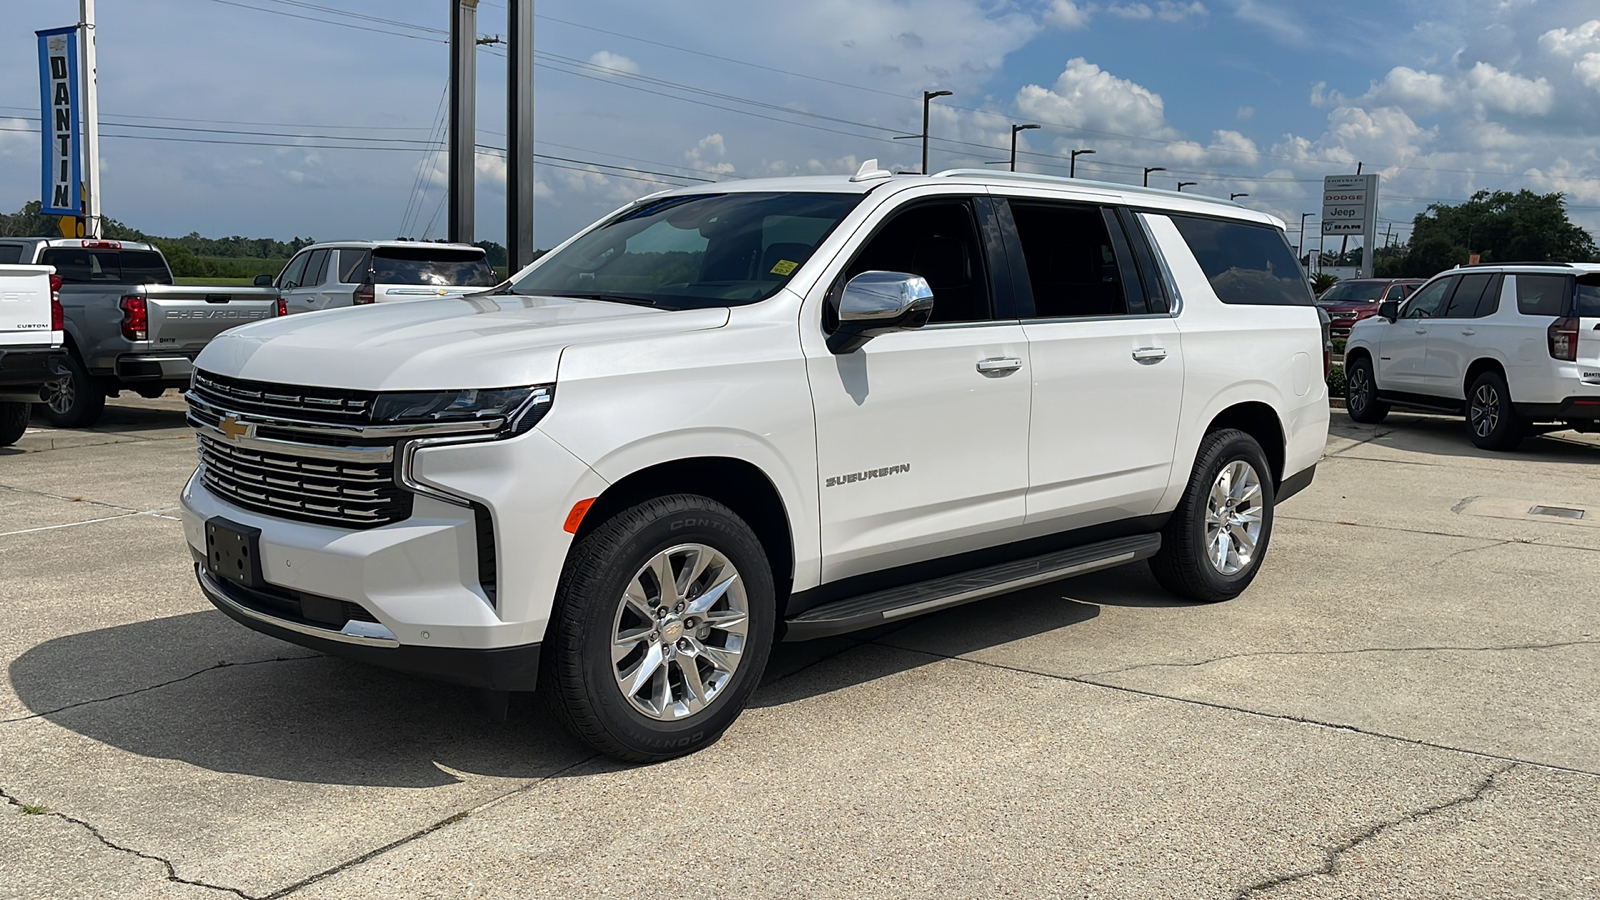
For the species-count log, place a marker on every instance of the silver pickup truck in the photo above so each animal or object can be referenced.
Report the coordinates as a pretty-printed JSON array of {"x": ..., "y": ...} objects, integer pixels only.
[{"x": 128, "y": 327}]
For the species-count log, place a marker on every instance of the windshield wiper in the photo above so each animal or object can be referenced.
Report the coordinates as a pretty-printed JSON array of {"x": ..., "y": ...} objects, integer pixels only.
[{"x": 632, "y": 299}]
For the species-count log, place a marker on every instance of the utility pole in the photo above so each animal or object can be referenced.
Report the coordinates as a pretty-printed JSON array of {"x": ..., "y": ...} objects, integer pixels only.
[
  {"x": 463, "y": 118},
  {"x": 519, "y": 135},
  {"x": 91, "y": 123}
]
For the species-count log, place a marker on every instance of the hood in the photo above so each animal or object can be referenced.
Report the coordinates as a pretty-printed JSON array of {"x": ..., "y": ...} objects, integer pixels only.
[{"x": 480, "y": 340}]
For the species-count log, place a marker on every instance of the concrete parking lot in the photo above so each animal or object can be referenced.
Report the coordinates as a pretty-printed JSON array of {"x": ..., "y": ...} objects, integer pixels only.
[{"x": 1404, "y": 704}]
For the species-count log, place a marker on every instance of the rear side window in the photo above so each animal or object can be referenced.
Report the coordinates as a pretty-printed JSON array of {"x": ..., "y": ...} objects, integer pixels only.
[
  {"x": 1464, "y": 302},
  {"x": 1246, "y": 263},
  {"x": 1072, "y": 265},
  {"x": 80, "y": 266},
  {"x": 352, "y": 266},
  {"x": 1589, "y": 295},
  {"x": 10, "y": 253},
  {"x": 1542, "y": 295},
  {"x": 431, "y": 266}
]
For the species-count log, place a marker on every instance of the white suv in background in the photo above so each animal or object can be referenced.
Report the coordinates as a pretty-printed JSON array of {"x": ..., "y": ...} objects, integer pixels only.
[
  {"x": 759, "y": 411},
  {"x": 355, "y": 273},
  {"x": 1514, "y": 347}
]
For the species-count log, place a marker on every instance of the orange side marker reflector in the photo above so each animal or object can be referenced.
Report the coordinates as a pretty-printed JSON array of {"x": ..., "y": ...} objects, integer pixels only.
[{"x": 575, "y": 518}]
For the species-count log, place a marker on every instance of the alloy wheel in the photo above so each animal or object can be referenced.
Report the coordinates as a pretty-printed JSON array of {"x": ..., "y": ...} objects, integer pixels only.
[
  {"x": 59, "y": 396},
  {"x": 1356, "y": 388},
  {"x": 1485, "y": 410},
  {"x": 1233, "y": 518},
  {"x": 679, "y": 632}
]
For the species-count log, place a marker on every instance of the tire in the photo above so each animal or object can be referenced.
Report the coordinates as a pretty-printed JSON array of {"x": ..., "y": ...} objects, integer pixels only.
[
  {"x": 1361, "y": 393},
  {"x": 1185, "y": 565},
  {"x": 74, "y": 402},
  {"x": 1492, "y": 423},
  {"x": 13, "y": 422},
  {"x": 609, "y": 590}
]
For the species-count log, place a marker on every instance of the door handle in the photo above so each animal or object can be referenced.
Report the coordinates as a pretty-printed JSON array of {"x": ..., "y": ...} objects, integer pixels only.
[
  {"x": 1422, "y": 331},
  {"x": 1469, "y": 331},
  {"x": 999, "y": 365},
  {"x": 1150, "y": 354}
]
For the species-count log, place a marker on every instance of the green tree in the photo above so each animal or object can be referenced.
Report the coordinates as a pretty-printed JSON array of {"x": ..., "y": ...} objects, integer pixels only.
[{"x": 1500, "y": 226}]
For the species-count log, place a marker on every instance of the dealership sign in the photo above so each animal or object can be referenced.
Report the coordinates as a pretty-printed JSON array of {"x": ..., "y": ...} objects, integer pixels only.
[
  {"x": 58, "y": 120},
  {"x": 1350, "y": 204}
]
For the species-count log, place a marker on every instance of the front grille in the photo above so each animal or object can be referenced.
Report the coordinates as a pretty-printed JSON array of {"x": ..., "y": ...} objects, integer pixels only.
[
  {"x": 305, "y": 488},
  {"x": 307, "y": 404}
]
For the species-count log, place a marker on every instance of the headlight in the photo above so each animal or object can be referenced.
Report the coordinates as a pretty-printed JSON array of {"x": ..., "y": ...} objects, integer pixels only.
[{"x": 520, "y": 407}]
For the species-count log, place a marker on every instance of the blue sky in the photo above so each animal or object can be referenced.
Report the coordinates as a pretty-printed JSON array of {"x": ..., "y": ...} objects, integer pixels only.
[{"x": 1442, "y": 98}]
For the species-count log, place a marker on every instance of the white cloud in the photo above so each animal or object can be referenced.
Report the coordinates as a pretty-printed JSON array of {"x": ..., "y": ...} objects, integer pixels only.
[
  {"x": 1131, "y": 11},
  {"x": 1572, "y": 41},
  {"x": 710, "y": 156},
  {"x": 1172, "y": 11},
  {"x": 1507, "y": 92},
  {"x": 1067, "y": 15},
  {"x": 1245, "y": 113},
  {"x": 1086, "y": 96},
  {"x": 1274, "y": 19},
  {"x": 1411, "y": 89},
  {"x": 616, "y": 62}
]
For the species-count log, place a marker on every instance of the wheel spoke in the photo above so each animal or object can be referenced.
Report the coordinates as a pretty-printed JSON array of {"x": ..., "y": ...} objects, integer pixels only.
[
  {"x": 636, "y": 676},
  {"x": 1219, "y": 551},
  {"x": 625, "y": 643},
  {"x": 694, "y": 696},
  {"x": 1242, "y": 539},
  {"x": 722, "y": 659},
  {"x": 709, "y": 599},
  {"x": 1251, "y": 491},
  {"x": 727, "y": 620},
  {"x": 638, "y": 600},
  {"x": 666, "y": 582},
  {"x": 694, "y": 567}
]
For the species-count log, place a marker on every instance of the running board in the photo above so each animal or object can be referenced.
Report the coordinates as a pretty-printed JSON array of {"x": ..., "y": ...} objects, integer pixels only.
[{"x": 878, "y": 607}]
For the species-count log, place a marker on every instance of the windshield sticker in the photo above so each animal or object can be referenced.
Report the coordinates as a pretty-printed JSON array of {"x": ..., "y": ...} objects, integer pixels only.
[{"x": 784, "y": 267}]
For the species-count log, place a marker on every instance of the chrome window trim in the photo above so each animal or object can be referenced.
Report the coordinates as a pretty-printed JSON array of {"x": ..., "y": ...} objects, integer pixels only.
[
  {"x": 1175, "y": 295},
  {"x": 943, "y": 326},
  {"x": 1135, "y": 318}
]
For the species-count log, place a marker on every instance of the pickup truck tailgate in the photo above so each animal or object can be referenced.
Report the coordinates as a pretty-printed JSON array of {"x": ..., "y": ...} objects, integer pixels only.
[
  {"x": 187, "y": 318},
  {"x": 25, "y": 306}
]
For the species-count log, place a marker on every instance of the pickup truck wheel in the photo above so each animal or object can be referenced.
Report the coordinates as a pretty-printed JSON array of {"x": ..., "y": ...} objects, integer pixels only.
[
  {"x": 1217, "y": 537},
  {"x": 13, "y": 422},
  {"x": 662, "y": 625},
  {"x": 1361, "y": 393},
  {"x": 75, "y": 401},
  {"x": 1492, "y": 421}
]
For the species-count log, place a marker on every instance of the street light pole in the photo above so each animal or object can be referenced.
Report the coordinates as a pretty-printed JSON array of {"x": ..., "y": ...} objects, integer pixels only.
[
  {"x": 1148, "y": 170},
  {"x": 1237, "y": 196},
  {"x": 1303, "y": 217},
  {"x": 1014, "y": 130},
  {"x": 926, "y": 96},
  {"x": 1184, "y": 184},
  {"x": 1072, "y": 167}
]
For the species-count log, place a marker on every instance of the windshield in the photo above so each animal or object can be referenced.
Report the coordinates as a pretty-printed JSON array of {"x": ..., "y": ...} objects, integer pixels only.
[
  {"x": 1353, "y": 292},
  {"x": 431, "y": 266},
  {"x": 692, "y": 252}
]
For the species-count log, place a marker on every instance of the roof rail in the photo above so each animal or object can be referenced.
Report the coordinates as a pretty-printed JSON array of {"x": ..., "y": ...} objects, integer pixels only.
[
  {"x": 1061, "y": 181},
  {"x": 1560, "y": 265}
]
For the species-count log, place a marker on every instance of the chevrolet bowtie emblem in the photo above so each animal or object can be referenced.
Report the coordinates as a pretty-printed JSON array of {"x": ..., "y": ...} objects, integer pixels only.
[{"x": 232, "y": 428}]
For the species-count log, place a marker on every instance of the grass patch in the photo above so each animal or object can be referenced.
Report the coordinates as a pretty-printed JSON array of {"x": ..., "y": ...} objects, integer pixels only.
[{"x": 34, "y": 809}]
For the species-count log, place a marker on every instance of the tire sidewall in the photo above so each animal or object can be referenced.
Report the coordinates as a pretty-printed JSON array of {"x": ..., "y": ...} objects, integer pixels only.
[
  {"x": 13, "y": 422},
  {"x": 1239, "y": 447},
  {"x": 1365, "y": 409},
  {"x": 704, "y": 525},
  {"x": 83, "y": 398},
  {"x": 1506, "y": 426}
]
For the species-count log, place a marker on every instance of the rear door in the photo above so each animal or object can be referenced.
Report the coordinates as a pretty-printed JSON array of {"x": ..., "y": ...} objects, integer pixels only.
[
  {"x": 1107, "y": 364},
  {"x": 1453, "y": 339}
]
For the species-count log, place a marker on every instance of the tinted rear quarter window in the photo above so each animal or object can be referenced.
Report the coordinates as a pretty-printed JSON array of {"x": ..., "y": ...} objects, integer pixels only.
[
  {"x": 1245, "y": 263},
  {"x": 352, "y": 265},
  {"x": 10, "y": 253},
  {"x": 1542, "y": 295},
  {"x": 1589, "y": 295},
  {"x": 431, "y": 266}
]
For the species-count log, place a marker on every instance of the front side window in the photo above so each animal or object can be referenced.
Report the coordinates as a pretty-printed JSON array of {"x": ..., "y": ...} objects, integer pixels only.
[
  {"x": 940, "y": 242},
  {"x": 295, "y": 272},
  {"x": 692, "y": 251},
  {"x": 1246, "y": 263},
  {"x": 1428, "y": 302},
  {"x": 1542, "y": 295},
  {"x": 1071, "y": 262}
]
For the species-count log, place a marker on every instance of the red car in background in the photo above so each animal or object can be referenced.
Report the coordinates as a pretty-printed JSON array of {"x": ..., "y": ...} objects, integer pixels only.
[{"x": 1352, "y": 300}]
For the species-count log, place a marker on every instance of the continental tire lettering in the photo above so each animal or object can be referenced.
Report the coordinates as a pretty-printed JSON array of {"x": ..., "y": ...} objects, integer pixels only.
[{"x": 856, "y": 477}]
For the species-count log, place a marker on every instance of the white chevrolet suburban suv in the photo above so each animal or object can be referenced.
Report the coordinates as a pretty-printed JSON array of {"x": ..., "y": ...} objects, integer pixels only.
[
  {"x": 1514, "y": 347},
  {"x": 763, "y": 410}
]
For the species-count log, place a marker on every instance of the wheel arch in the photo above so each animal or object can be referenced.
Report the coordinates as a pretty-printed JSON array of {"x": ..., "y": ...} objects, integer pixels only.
[
  {"x": 1480, "y": 366},
  {"x": 1261, "y": 422},
  {"x": 736, "y": 483}
]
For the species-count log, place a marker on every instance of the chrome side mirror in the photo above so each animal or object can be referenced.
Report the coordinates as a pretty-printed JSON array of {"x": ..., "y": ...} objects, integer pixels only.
[
  {"x": 1389, "y": 309},
  {"x": 877, "y": 302}
]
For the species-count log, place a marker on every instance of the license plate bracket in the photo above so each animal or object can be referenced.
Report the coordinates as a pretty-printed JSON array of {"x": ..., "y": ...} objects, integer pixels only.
[{"x": 233, "y": 552}]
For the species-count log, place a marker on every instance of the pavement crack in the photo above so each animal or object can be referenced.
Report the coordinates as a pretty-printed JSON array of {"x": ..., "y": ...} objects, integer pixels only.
[
  {"x": 1333, "y": 856},
  {"x": 220, "y": 665},
  {"x": 1532, "y": 542},
  {"x": 1224, "y": 707},
  {"x": 172, "y": 872},
  {"x": 1463, "y": 504},
  {"x": 1375, "y": 435},
  {"x": 64, "y": 498},
  {"x": 425, "y": 831},
  {"x": 1346, "y": 652}
]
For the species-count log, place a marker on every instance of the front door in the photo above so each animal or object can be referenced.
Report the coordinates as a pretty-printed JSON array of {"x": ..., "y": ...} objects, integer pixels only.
[
  {"x": 1403, "y": 345},
  {"x": 922, "y": 435}
]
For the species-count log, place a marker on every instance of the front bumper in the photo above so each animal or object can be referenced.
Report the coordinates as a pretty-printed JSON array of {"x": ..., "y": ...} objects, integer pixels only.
[{"x": 497, "y": 669}]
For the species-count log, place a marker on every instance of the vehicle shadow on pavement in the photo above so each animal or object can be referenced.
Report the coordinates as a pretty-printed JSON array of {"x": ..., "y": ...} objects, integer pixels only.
[
  {"x": 1438, "y": 435},
  {"x": 288, "y": 714}
]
